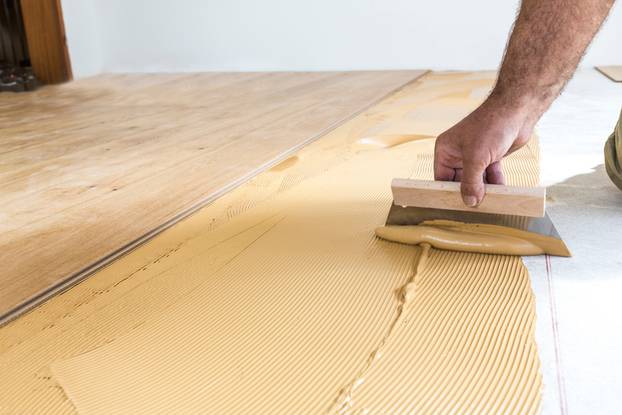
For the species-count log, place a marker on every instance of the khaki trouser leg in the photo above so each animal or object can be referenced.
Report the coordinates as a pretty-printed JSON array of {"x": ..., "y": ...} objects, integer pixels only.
[{"x": 613, "y": 154}]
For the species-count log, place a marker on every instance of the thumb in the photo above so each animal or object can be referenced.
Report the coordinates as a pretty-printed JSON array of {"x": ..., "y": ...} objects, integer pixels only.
[{"x": 472, "y": 184}]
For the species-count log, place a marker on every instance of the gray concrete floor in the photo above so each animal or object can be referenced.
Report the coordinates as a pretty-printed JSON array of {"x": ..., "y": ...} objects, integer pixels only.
[{"x": 579, "y": 299}]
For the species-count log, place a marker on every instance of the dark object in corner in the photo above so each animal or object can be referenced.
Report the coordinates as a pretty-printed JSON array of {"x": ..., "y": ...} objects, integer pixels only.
[
  {"x": 16, "y": 75},
  {"x": 17, "y": 79}
]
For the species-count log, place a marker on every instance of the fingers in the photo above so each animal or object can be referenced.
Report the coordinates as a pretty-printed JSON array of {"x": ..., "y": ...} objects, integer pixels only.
[
  {"x": 444, "y": 173},
  {"x": 441, "y": 170},
  {"x": 494, "y": 175},
  {"x": 472, "y": 183},
  {"x": 458, "y": 175}
]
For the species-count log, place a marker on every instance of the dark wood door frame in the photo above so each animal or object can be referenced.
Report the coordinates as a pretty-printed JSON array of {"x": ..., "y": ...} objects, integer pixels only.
[{"x": 47, "y": 44}]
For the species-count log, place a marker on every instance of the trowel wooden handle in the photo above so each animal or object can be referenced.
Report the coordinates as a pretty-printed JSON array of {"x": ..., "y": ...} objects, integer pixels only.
[{"x": 506, "y": 200}]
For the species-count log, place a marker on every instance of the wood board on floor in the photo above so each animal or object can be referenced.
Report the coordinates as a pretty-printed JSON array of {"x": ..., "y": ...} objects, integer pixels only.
[
  {"x": 92, "y": 166},
  {"x": 613, "y": 72}
]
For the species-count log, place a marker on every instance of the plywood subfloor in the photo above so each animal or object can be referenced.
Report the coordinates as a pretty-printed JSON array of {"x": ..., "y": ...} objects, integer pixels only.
[{"x": 91, "y": 166}]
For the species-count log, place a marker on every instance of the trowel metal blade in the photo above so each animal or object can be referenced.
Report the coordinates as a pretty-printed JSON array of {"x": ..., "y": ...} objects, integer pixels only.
[{"x": 414, "y": 215}]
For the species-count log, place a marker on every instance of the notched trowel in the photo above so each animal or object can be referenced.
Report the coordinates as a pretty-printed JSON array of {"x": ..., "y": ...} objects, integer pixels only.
[{"x": 519, "y": 210}]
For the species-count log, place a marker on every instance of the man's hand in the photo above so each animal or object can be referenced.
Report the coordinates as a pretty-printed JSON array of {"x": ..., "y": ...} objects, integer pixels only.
[
  {"x": 471, "y": 151},
  {"x": 545, "y": 47}
]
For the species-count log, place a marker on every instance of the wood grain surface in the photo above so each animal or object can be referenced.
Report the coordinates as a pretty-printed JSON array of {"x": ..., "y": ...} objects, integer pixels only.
[
  {"x": 45, "y": 33},
  {"x": 499, "y": 199},
  {"x": 88, "y": 168}
]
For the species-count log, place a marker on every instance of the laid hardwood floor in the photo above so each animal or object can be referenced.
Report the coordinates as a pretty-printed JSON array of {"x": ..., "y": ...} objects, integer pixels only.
[{"x": 88, "y": 167}]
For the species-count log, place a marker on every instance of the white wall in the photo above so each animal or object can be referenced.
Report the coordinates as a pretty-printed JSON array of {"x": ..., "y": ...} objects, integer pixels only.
[
  {"x": 83, "y": 32},
  {"x": 256, "y": 35}
]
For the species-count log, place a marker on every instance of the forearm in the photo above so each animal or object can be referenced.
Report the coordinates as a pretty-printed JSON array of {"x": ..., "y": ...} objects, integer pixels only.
[{"x": 547, "y": 42}]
